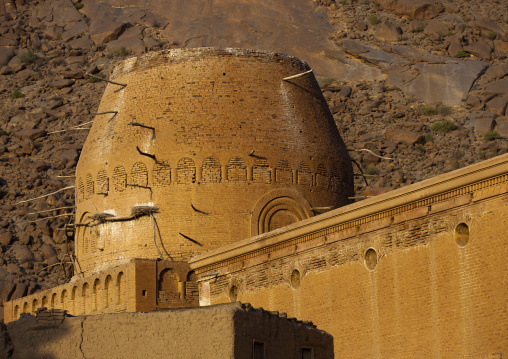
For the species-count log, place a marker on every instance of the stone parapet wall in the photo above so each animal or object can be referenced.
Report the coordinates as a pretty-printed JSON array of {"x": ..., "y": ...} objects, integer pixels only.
[
  {"x": 204, "y": 137},
  {"x": 138, "y": 285},
  {"x": 223, "y": 331},
  {"x": 418, "y": 272}
]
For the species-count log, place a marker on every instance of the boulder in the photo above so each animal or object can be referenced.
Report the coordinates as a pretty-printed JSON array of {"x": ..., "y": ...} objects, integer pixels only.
[
  {"x": 501, "y": 47},
  {"x": 498, "y": 86},
  {"x": 6, "y": 238},
  {"x": 6, "y": 54},
  {"x": 106, "y": 31},
  {"x": 487, "y": 25},
  {"x": 481, "y": 121},
  {"x": 9, "y": 39},
  {"x": 65, "y": 13},
  {"x": 435, "y": 27},
  {"x": 404, "y": 136},
  {"x": 480, "y": 49},
  {"x": 69, "y": 155},
  {"x": 131, "y": 44},
  {"x": 75, "y": 30},
  {"x": 31, "y": 133},
  {"x": 418, "y": 9},
  {"x": 61, "y": 83},
  {"x": 28, "y": 75},
  {"x": 134, "y": 31},
  {"x": 22, "y": 254},
  {"x": 502, "y": 126},
  {"x": 7, "y": 288},
  {"x": 454, "y": 48},
  {"x": 20, "y": 291},
  {"x": 83, "y": 43},
  {"x": 25, "y": 238},
  {"x": 496, "y": 71},
  {"x": 498, "y": 105},
  {"x": 445, "y": 83},
  {"x": 361, "y": 26},
  {"x": 45, "y": 12},
  {"x": 53, "y": 32},
  {"x": 48, "y": 251},
  {"x": 370, "y": 53},
  {"x": 388, "y": 32}
]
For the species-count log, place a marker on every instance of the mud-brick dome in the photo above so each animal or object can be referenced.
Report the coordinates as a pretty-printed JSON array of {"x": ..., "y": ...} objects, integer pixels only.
[{"x": 202, "y": 148}]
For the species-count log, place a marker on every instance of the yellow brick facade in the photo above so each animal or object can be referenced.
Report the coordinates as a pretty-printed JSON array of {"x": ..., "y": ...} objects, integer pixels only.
[
  {"x": 216, "y": 143},
  {"x": 419, "y": 272},
  {"x": 136, "y": 286}
]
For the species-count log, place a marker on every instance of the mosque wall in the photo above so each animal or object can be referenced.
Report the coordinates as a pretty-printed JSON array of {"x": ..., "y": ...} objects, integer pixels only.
[{"x": 417, "y": 272}]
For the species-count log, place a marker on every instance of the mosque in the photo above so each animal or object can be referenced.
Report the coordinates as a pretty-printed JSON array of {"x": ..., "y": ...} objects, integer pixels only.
[{"x": 218, "y": 175}]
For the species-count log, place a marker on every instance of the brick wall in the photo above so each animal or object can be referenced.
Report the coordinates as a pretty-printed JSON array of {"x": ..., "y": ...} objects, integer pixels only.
[
  {"x": 227, "y": 130},
  {"x": 138, "y": 285},
  {"x": 419, "y": 272},
  {"x": 216, "y": 332}
]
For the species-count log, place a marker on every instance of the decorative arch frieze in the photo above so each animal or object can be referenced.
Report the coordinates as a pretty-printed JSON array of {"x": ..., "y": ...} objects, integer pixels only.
[{"x": 278, "y": 208}]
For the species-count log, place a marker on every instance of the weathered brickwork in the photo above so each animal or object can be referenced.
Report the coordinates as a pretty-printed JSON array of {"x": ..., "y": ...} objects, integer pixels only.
[
  {"x": 233, "y": 330},
  {"x": 198, "y": 138},
  {"x": 420, "y": 272},
  {"x": 136, "y": 286}
]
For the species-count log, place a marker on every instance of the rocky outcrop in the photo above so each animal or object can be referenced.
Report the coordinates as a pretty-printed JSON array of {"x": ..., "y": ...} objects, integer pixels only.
[{"x": 429, "y": 78}]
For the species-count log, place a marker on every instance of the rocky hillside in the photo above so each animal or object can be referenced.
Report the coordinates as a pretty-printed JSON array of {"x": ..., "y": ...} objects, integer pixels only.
[{"x": 417, "y": 88}]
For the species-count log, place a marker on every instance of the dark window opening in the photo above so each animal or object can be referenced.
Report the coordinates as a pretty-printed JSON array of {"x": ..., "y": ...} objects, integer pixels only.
[
  {"x": 307, "y": 353},
  {"x": 144, "y": 293},
  {"x": 258, "y": 350}
]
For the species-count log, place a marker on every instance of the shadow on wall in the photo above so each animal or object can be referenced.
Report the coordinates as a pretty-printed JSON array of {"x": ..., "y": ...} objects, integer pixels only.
[{"x": 45, "y": 330}]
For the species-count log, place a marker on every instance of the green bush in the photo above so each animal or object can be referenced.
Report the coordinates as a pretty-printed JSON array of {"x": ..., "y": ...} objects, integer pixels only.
[
  {"x": 491, "y": 135},
  {"x": 491, "y": 35},
  {"x": 428, "y": 110},
  {"x": 444, "y": 126},
  {"x": 461, "y": 54},
  {"x": 418, "y": 29},
  {"x": 79, "y": 5},
  {"x": 373, "y": 19},
  {"x": 17, "y": 94},
  {"x": 28, "y": 58},
  {"x": 371, "y": 170},
  {"x": 37, "y": 144},
  {"x": 444, "y": 110},
  {"x": 121, "y": 52},
  {"x": 420, "y": 148},
  {"x": 343, "y": 2},
  {"x": 95, "y": 79},
  {"x": 429, "y": 137}
]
